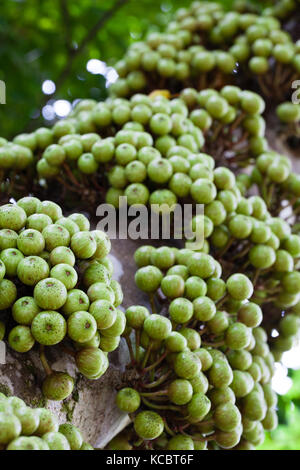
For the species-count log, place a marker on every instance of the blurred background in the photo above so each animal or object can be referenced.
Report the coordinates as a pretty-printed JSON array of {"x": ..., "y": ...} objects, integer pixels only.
[{"x": 55, "y": 52}]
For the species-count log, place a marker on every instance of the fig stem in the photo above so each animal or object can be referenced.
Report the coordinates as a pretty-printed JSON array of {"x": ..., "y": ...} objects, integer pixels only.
[
  {"x": 137, "y": 344},
  {"x": 44, "y": 361},
  {"x": 152, "y": 303},
  {"x": 155, "y": 363},
  {"x": 131, "y": 353},
  {"x": 154, "y": 394},
  {"x": 158, "y": 381},
  {"x": 160, "y": 407},
  {"x": 147, "y": 354}
]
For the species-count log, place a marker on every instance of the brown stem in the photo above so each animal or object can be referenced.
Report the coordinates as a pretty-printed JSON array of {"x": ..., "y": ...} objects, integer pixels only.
[
  {"x": 147, "y": 354},
  {"x": 256, "y": 276},
  {"x": 263, "y": 86},
  {"x": 74, "y": 53},
  {"x": 71, "y": 175},
  {"x": 153, "y": 394},
  {"x": 214, "y": 345},
  {"x": 160, "y": 407},
  {"x": 168, "y": 429},
  {"x": 152, "y": 303},
  {"x": 226, "y": 247},
  {"x": 130, "y": 349},
  {"x": 68, "y": 351},
  {"x": 237, "y": 122},
  {"x": 44, "y": 361},
  {"x": 221, "y": 301},
  {"x": 66, "y": 20},
  {"x": 137, "y": 344},
  {"x": 242, "y": 253},
  {"x": 64, "y": 184},
  {"x": 159, "y": 381},
  {"x": 156, "y": 363}
]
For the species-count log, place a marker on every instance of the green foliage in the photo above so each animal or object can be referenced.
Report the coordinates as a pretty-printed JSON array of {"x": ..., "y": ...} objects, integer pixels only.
[
  {"x": 287, "y": 435},
  {"x": 38, "y": 40}
]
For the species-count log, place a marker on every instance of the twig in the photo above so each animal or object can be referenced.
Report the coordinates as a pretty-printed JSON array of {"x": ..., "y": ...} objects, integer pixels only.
[
  {"x": 44, "y": 361},
  {"x": 74, "y": 53},
  {"x": 65, "y": 16}
]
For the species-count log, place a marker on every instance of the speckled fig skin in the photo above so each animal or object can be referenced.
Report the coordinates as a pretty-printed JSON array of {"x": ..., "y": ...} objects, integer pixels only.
[
  {"x": 38, "y": 222},
  {"x": 82, "y": 326},
  {"x": 84, "y": 245},
  {"x": 110, "y": 343},
  {"x": 180, "y": 443},
  {"x": 99, "y": 290},
  {"x": 220, "y": 374},
  {"x": 31, "y": 242},
  {"x": 103, "y": 244},
  {"x": 72, "y": 434},
  {"x": 117, "y": 289},
  {"x": 8, "y": 294},
  {"x": 81, "y": 221},
  {"x": 21, "y": 339},
  {"x": 96, "y": 272},
  {"x": 91, "y": 362},
  {"x": 12, "y": 217},
  {"x": 2, "y": 270},
  {"x": 11, "y": 257},
  {"x": 58, "y": 386},
  {"x": 227, "y": 417},
  {"x": 24, "y": 310},
  {"x": 56, "y": 441},
  {"x": 77, "y": 300},
  {"x": 104, "y": 313},
  {"x": 10, "y": 427},
  {"x": 128, "y": 400},
  {"x": 242, "y": 383},
  {"x": 67, "y": 223},
  {"x": 157, "y": 327},
  {"x": 119, "y": 443},
  {"x": 227, "y": 440},
  {"x": 8, "y": 239},
  {"x": 118, "y": 326},
  {"x": 62, "y": 254},
  {"x": 187, "y": 365},
  {"x": 49, "y": 328},
  {"x": 48, "y": 422},
  {"x": 26, "y": 428},
  {"x": 29, "y": 419},
  {"x": 51, "y": 209},
  {"x": 148, "y": 425},
  {"x": 86, "y": 446},
  {"x": 30, "y": 204},
  {"x": 199, "y": 406},
  {"x": 55, "y": 235},
  {"x": 23, "y": 443},
  {"x": 66, "y": 274},
  {"x": 32, "y": 270},
  {"x": 50, "y": 294},
  {"x": 148, "y": 279},
  {"x": 40, "y": 443},
  {"x": 180, "y": 391},
  {"x": 45, "y": 318}
]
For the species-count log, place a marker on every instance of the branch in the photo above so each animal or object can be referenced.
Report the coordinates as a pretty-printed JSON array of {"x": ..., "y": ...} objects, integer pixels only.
[
  {"x": 94, "y": 30},
  {"x": 66, "y": 20},
  {"x": 90, "y": 35},
  {"x": 73, "y": 53}
]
